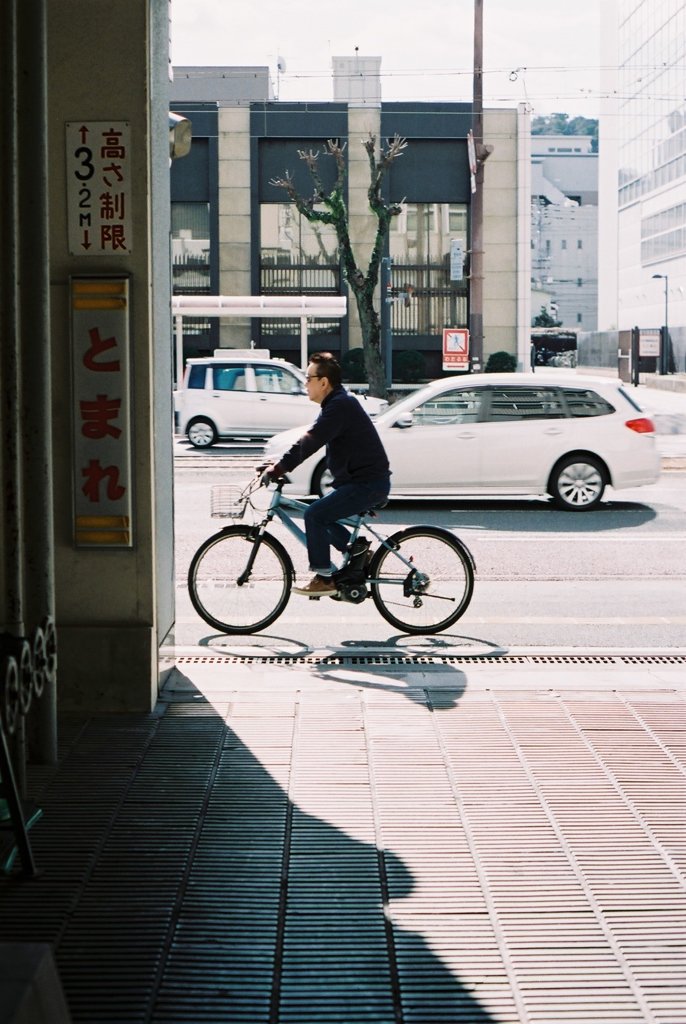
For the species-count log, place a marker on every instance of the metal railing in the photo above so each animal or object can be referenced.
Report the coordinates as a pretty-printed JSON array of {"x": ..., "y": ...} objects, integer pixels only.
[
  {"x": 426, "y": 300},
  {"x": 300, "y": 279}
]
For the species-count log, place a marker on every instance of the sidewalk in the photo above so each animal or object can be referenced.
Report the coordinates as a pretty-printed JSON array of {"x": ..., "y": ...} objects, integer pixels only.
[
  {"x": 337, "y": 838},
  {"x": 668, "y": 409}
]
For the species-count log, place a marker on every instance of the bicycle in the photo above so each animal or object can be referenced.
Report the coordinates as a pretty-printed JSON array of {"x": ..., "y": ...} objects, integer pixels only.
[{"x": 421, "y": 579}]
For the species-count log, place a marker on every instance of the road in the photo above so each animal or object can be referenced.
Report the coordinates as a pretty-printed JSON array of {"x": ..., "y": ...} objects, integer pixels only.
[{"x": 610, "y": 579}]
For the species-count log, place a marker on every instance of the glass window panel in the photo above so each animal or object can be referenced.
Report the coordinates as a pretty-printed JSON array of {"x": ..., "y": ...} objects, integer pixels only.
[
  {"x": 582, "y": 402},
  {"x": 190, "y": 245},
  {"x": 296, "y": 256},
  {"x": 229, "y": 378},
  {"x": 449, "y": 408},
  {"x": 525, "y": 404},
  {"x": 276, "y": 380}
]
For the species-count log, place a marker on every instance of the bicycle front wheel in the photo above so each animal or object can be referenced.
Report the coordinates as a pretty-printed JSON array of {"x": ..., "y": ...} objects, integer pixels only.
[
  {"x": 219, "y": 597},
  {"x": 431, "y": 589}
]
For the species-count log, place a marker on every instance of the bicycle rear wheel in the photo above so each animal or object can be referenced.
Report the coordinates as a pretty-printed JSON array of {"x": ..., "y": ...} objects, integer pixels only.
[
  {"x": 213, "y": 584},
  {"x": 431, "y": 594}
]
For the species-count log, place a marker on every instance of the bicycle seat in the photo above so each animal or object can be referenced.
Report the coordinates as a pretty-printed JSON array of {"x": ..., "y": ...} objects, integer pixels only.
[{"x": 375, "y": 509}]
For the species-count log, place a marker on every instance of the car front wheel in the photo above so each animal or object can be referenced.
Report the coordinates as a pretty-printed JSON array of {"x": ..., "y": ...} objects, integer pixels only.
[
  {"x": 201, "y": 433},
  {"x": 578, "y": 483},
  {"x": 322, "y": 481}
]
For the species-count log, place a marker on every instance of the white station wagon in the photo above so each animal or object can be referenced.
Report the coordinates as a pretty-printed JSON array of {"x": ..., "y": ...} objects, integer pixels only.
[
  {"x": 506, "y": 434},
  {"x": 244, "y": 393}
]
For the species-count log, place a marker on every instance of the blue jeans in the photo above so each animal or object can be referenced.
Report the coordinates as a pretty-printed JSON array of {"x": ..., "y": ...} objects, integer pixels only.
[{"x": 320, "y": 519}]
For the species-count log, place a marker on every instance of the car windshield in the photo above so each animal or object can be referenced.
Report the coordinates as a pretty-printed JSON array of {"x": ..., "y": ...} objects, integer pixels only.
[{"x": 404, "y": 405}]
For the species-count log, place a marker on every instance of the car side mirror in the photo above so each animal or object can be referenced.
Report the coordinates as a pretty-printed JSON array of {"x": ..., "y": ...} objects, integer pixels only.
[{"x": 405, "y": 420}]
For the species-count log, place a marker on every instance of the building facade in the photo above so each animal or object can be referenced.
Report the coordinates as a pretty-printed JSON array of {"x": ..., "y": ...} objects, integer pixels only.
[
  {"x": 643, "y": 176},
  {"x": 564, "y": 229},
  {"x": 235, "y": 232}
]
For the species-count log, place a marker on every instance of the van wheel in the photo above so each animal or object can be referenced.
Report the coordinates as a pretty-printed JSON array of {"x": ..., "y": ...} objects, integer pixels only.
[
  {"x": 201, "y": 433},
  {"x": 322, "y": 481}
]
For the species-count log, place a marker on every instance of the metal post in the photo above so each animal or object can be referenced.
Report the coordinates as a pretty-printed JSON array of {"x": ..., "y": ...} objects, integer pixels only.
[
  {"x": 663, "y": 360},
  {"x": 665, "y": 340},
  {"x": 178, "y": 333},
  {"x": 304, "y": 356},
  {"x": 386, "y": 331}
]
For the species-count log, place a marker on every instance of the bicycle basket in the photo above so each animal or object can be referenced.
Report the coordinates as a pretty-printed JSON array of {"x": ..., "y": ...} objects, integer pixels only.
[{"x": 228, "y": 502}]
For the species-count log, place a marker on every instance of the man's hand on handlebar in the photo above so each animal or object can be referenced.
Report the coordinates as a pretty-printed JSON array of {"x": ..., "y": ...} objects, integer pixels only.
[{"x": 269, "y": 473}]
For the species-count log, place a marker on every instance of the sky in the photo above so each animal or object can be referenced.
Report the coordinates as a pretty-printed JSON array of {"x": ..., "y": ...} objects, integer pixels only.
[{"x": 545, "y": 53}]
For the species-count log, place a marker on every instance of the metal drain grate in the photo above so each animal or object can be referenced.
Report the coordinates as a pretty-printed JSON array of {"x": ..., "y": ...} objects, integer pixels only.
[{"x": 501, "y": 660}]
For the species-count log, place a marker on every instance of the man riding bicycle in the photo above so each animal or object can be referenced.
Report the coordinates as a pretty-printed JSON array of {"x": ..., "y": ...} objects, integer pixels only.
[{"x": 356, "y": 460}]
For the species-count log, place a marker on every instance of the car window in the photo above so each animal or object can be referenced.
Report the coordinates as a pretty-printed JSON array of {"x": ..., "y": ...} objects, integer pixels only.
[
  {"x": 451, "y": 407},
  {"x": 196, "y": 376},
  {"x": 277, "y": 380},
  {"x": 583, "y": 402},
  {"x": 525, "y": 404},
  {"x": 229, "y": 378}
]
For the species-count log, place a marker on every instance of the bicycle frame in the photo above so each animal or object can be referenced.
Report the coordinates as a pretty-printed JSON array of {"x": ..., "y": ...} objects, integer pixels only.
[{"x": 278, "y": 509}]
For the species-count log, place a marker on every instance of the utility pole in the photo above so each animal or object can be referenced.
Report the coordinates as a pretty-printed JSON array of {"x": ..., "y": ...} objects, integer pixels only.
[{"x": 476, "y": 262}]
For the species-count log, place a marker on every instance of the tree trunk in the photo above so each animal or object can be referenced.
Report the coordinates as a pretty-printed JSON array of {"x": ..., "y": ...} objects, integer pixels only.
[{"x": 371, "y": 343}]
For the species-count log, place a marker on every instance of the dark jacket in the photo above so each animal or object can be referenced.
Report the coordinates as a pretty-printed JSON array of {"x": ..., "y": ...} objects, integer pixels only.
[{"x": 354, "y": 451}]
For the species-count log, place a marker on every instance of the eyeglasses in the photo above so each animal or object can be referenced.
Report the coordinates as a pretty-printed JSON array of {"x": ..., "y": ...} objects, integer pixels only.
[{"x": 312, "y": 376}]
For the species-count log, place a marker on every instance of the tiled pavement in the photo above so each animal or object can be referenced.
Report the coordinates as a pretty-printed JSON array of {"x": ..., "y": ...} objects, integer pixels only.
[{"x": 329, "y": 840}]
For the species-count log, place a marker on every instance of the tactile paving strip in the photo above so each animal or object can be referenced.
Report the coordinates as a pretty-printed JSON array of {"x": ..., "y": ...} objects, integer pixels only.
[
  {"x": 352, "y": 855},
  {"x": 501, "y": 660}
]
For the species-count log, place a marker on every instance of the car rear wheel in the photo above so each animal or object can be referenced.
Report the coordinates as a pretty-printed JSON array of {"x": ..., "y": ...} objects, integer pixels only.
[
  {"x": 578, "y": 483},
  {"x": 201, "y": 433}
]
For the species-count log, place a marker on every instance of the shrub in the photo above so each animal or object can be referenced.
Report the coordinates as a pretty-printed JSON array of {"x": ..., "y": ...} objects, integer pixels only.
[
  {"x": 409, "y": 367},
  {"x": 501, "y": 362},
  {"x": 352, "y": 365}
]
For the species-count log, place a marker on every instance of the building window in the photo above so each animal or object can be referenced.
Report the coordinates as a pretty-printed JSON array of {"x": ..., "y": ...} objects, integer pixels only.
[
  {"x": 190, "y": 250},
  {"x": 457, "y": 218},
  {"x": 563, "y": 243},
  {"x": 296, "y": 256},
  {"x": 426, "y": 298},
  {"x": 579, "y": 243},
  {"x": 190, "y": 243}
]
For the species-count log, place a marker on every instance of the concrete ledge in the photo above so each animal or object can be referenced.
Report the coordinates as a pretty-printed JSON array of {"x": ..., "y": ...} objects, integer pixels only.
[
  {"x": 107, "y": 669},
  {"x": 30, "y": 988},
  {"x": 668, "y": 382}
]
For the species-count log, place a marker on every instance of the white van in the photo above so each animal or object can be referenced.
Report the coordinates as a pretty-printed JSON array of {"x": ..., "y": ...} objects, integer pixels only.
[{"x": 241, "y": 393}]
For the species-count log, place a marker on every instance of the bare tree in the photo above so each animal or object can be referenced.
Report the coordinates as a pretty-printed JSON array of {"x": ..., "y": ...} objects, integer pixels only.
[{"x": 329, "y": 207}]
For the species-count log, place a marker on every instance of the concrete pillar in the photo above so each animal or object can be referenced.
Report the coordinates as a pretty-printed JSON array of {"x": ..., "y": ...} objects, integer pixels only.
[
  {"x": 362, "y": 223},
  {"x": 108, "y": 63},
  {"x": 500, "y": 233},
  {"x": 234, "y": 217}
]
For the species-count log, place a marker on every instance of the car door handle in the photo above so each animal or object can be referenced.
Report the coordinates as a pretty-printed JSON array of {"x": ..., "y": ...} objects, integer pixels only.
[
  {"x": 467, "y": 436},
  {"x": 552, "y": 430}
]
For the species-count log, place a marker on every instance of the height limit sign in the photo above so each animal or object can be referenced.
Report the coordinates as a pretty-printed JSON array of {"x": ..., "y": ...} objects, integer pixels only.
[{"x": 99, "y": 188}]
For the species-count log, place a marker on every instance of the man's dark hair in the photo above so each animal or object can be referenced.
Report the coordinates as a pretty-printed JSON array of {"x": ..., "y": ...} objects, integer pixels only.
[{"x": 327, "y": 366}]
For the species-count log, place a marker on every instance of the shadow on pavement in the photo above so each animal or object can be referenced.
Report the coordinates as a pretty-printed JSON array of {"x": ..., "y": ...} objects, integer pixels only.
[
  {"x": 539, "y": 516},
  {"x": 185, "y": 876}
]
